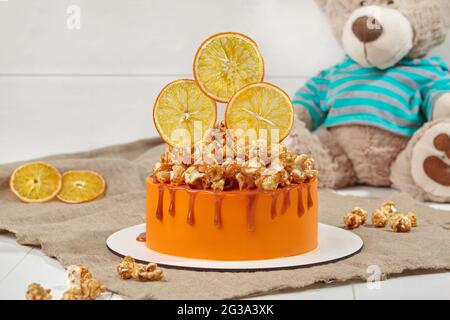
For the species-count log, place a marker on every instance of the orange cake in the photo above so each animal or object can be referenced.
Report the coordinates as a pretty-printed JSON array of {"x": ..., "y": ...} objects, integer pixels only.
[{"x": 229, "y": 190}]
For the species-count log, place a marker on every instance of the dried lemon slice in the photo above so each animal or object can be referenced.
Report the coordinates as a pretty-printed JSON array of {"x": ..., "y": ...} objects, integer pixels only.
[
  {"x": 225, "y": 63},
  {"x": 81, "y": 186},
  {"x": 35, "y": 182},
  {"x": 183, "y": 114},
  {"x": 260, "y": 107}
]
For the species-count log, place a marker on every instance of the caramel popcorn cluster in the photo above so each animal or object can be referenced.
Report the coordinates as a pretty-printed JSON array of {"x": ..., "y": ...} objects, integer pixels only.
[
  {"x": 379, "y": 219},
  {"x": 387, "y": 214},
  {"x": 356, "y": 218},
  {"x": 220, "y": 163},
  {"x": 82, "y": 285},
  {"x": 352, "y": 221},
  {"x": 130, "y": 269},
  {"x": 401, "y": 223},
  {"x": 36, "y": 292}
]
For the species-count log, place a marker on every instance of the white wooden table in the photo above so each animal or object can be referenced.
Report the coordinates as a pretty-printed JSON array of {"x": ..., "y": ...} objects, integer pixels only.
[{"x": 21, "y": 265}]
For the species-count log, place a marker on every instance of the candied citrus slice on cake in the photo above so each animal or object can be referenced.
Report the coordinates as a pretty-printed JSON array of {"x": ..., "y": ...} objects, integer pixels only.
[
  {"x": 225, "y": 63},
  {"x": 81, "y": 186},
  {"x": 183, "y": 114},
  {"x": 261, "y": 107},
  {"x": 35, "y": 182}
]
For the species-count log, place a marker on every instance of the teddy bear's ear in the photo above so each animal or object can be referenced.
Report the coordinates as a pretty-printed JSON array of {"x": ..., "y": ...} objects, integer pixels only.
[{"x": 322, "y": 4}]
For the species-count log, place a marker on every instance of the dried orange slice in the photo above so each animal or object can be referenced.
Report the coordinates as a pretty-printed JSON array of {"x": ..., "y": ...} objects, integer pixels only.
[
  {"x": 35, "y": 182},
  {"x": 183, "y": 114},
  {"x": 81, "y": 186},
  {"x": 225, "y": 63},
  {"x": 261, "y": 107}
]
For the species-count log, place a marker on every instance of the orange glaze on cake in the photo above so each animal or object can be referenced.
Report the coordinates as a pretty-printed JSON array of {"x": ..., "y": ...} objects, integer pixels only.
[{"x": 232, "y": 225}]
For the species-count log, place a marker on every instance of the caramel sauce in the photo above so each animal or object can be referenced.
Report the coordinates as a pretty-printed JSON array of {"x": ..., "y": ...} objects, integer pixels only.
[
  {"x": 286, "y": 201},
  {"x": 310, "y": 199},
  {"x": 218, "y": 211},
  {"x": 191, "y": 213},
  {"x": 172, "y": 202},
  {"x": 160, "y": 209},
  {"x": 274, "y": 204},
  {"x": 300, "y": 205},
  {"x": 142, "y": 237},
  {"x": 251, "y": 206}
]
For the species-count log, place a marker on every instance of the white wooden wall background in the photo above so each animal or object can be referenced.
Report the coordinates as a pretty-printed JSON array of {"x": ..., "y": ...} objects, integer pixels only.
[{"x": 67, "y": 90}]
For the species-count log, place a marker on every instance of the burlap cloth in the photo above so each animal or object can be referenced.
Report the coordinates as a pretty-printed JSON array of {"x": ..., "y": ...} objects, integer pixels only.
[{"x": 76, "y": 234}]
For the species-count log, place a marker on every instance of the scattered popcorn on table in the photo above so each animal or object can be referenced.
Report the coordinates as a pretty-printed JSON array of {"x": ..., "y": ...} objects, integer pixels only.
[
  {"x": 396, "y": 217},
  {"x": 36, "y": 292},
  {"x": 352, "y": 220},
  {"x": 413, "y": 218},
  {"x": 389, "y": 208},
  {"x": 130, "y": 269},
  {"x": 362, "y": 213},
  {"x": 77, "y": 274},
  {"x": 379, "y": 219},
  {"x": 401, "y": 224},
  {"x": 91, "y": 289},
  {"x": 73, "y": 294},
  {"x": 82, "y": 285}
]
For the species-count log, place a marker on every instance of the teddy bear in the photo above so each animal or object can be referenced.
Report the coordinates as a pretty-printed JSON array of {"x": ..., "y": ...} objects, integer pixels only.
[{"x": 381, "y": 117}]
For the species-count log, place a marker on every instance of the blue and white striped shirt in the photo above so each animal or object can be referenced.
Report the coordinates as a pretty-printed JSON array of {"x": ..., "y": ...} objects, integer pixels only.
[{"x": 399, "y": 99}]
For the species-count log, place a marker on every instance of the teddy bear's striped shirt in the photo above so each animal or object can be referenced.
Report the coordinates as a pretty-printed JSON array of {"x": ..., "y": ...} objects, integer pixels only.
[{"x": 399, "y": 99}]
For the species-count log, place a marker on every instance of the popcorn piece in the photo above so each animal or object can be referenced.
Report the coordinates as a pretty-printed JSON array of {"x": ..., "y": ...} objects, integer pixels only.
[
  {"x": 177, "y": 174},
  {"x": 413, "y": 218},
  {"x": 91, "y": 289},
  {"x": 166, "y": 157},
  {"x": 268, "y": 182},
  {"x": 161, "y": 172},
  {"x": 82, "y": 285},
  {"x": 379, "y": 219},
  {"x": 126, "y": 268},
  {"x": 149, "y": 272},
  {"x": 231, "y": 169},
  {"x": 401, "y": 224},
  {"x": 77, "y": 274},
  {"x": 395, "y": 217},
  {"x": 389, "y": 208},
  {"x": 130, "y": 269},
  {"x": 253, "y": 167},
  {"x": 304, "y": 162},
  {"x": 72, "y": 294},
  {"x": 298, "y": 176},
  {"x": 218, "y": 185},
  {"x": 286, "y": 158},
  {"x": 352, "y": 220},
  {"x": 36, "y": 292},
  {"x": 244, "y": 181},
  {"x": 193, "y": 177},
  {"x": 362, "y": 213}
]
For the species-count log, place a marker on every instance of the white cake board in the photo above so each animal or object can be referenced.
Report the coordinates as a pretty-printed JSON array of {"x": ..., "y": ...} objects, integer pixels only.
[{"x": 334, "y": 244}]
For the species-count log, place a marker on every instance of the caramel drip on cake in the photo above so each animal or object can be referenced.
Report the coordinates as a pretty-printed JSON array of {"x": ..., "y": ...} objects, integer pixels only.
[
  {"x": 142, "y": 237},
  {"x": 310, "y": 199},
  {"x": 172, "y": 202},
  {"x": 251, "y": 206},
  {"x": 274, "y": 204},
  {"x": 218, "y": 211},
  {"x": 286, "y": 201},
  {"x": 159, "y": 210},
  {"x": 191, "y": 213},
  {"x": 301, "y": 206}
]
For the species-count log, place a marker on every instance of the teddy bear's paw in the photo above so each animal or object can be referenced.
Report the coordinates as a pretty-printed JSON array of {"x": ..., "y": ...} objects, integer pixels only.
[{"x": 431, "y": 161}]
